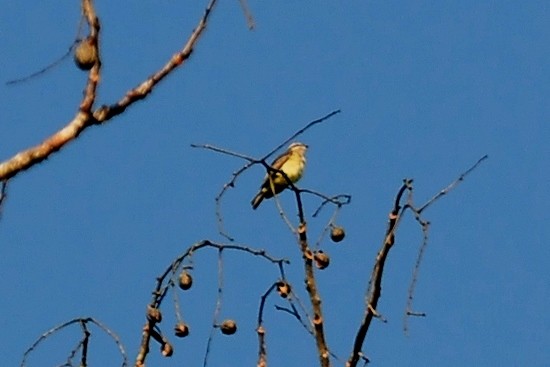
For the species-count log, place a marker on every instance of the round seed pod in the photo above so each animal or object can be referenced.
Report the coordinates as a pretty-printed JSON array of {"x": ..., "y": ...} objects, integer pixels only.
[
  {"x": 181, "y": 330},
  {"x": 337, "y": 234},
  {"x": 166, "y": 349},
  {"x": 85, "y": 54},
  {"x": 228, "y": 327},
  {"x": 283, "y": 288},
  {"x": 321, "y": 260},
  {"x": 185, "y": 280}
]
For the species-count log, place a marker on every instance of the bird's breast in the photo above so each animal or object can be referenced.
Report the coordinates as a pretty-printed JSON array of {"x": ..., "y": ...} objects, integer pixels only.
[{"x": 294, "y": 168}]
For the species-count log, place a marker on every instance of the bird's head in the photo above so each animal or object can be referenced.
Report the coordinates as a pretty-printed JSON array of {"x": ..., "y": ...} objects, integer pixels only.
[{"x": 297, "y": 147}]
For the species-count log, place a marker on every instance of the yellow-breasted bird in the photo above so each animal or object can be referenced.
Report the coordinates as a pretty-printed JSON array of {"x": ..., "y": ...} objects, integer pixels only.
[{"x": 292, "y": 163}]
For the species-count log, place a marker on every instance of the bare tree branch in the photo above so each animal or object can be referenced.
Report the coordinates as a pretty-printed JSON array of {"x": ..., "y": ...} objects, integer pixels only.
[
  {"x": 425, "y": 225},
  {"x": 452, "y": 185},
  {"x": 375, "y": 283},
  {"x": 85, "y": 117},
  {"x": 166, "y": 281},
  {"x": 83, "y": 343},
  {"x": 313, "y": 292}
]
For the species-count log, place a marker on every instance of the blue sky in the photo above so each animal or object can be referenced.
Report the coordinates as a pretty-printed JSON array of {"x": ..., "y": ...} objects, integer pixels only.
[{"x": 425, "y": 87}]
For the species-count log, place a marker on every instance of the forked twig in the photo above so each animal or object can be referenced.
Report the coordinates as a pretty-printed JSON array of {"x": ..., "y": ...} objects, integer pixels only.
[
  {"x": 251, "y": 162},
  {"x": 83, "y": 343},
  {"x": 375, "y": 283},
  {"x": 452, "y": 185},
  {"x": 425, "y": 225}
]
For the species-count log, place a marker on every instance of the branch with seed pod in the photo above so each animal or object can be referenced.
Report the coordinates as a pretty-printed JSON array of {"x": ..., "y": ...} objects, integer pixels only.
[
  {"x": 178, "y": 275},
  {"x": 317, "y": 257},
  {"x": 88, "y": 57}
]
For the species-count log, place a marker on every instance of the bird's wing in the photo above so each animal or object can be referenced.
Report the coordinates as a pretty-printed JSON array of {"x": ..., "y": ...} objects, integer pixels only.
[
  {"x": 280, "y": 161},
  {"x": 276, "y": 164}
]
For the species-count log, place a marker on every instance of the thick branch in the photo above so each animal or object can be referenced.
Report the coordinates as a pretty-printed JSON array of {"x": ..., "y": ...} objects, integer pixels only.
[
  {"x": 314, "y": 297},
  {"x": 37, "y": 154},
  {"x": 375, "y": 289},
  {"x": 85, "y": 117}
]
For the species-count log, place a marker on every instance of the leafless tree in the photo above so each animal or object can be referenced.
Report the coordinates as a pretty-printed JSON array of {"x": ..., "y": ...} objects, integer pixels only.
[{"x": 178, "y": 274}]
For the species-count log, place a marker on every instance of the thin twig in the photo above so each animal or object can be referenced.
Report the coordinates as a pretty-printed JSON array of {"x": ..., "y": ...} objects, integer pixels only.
[
  {"x": 228, "y": 185},
  {"x": 260, "y": 329},
  {"x": 44, "y": 69},
  {"x": 300, "y": 132},
  {"x": 44, "y": 337},
  {"x": 294, "y": 298},
  {"x": 248, "y": 14},
  {"x": 452, "y": 185},
  {"x": 115, "y": 338},
  {"x": 282, "y": 213},
  {"x": 77, "y": 39},
  {"x": 294, "y": 312},
  {"x": 331, "y": 221},
  {"x": 224, "y": 151},
  {"x": 338, "y": 200},
  {"x": 412, "y": 286},
  {"x": 72, "y": 354},
  {"x": 217, "y": 309},
  {"x": 3, "y": 194},
  {"x": 425, "y": 228}
]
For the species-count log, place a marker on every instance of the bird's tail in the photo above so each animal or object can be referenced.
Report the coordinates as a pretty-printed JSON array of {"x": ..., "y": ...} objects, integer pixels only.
[{"x": 257, "y": 200}]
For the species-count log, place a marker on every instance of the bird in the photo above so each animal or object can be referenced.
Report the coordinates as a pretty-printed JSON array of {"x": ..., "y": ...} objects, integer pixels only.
[{"x": 292, "y": 163}]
